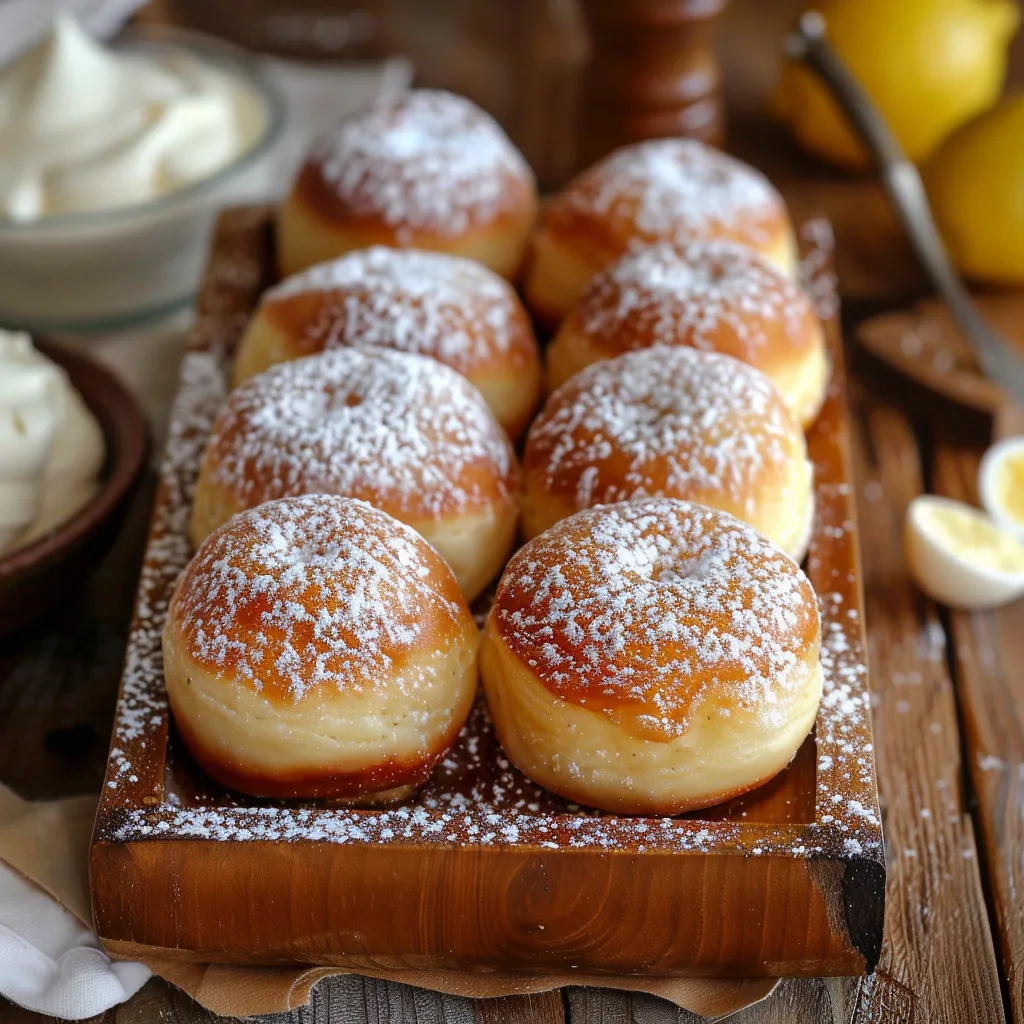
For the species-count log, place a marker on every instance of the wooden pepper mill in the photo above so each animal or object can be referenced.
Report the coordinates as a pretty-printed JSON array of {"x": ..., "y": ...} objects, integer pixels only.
[{"x": 653, "y": 72}]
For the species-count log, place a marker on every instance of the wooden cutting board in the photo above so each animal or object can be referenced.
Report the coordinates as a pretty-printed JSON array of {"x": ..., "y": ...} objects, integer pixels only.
[{"x": 482, "y": 869}]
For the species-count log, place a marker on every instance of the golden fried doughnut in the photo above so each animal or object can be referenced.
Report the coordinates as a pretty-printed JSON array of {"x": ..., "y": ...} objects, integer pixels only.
[
  {"x": 455, "y": 310},
  {"x": 428, "y": 170},
  {"x": 316, "y": 647},
  {"x": 401, "y": 431},
  {"x": 676, "y": 423},
  {"x": 662, "y": 190},
  {"x": 717, "y": 296},
  {"x": 652, "y": 657}
]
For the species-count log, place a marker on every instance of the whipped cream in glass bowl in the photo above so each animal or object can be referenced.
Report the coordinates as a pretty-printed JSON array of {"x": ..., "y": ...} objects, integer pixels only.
[{"x": 113, "y": 163}]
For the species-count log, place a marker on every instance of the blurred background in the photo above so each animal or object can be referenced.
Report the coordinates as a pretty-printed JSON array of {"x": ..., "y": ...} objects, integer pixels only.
[{"x": 571, "y": 79}]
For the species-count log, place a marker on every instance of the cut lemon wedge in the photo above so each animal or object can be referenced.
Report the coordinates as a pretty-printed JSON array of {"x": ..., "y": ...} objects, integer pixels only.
[
  {"x": 1001, "y": 484},
  {"x": 960, "y": 556}
]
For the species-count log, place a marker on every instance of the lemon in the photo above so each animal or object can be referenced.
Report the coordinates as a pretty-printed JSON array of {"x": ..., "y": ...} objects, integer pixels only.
[
  {"x": 960, "y": 557},
  {"x": 976, "y": 186},
  {"x": 1001, "y": 484},
  {"x": 929, "y": 65}
]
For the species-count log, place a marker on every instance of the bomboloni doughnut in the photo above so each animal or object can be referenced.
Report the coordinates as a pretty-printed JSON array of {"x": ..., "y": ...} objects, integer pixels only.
[
  {"x": 652, "y": 657},
  {"x": 401, "y": 431},
  {"x": 317, "y": 647},
  {"x": 671, "y": 422},
  {"x": 452, "y": 309},
  {"x": 429, "y": 170},
  {"x": 663, "y": 190},
  {"x": 717, "y": 296}
]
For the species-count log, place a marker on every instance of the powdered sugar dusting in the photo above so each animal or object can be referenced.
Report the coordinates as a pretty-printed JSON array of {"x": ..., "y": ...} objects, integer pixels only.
[
  {"x": 716, "y": 296},
  {"x": 655, "y": 605},
  {"x": 142, "y": 706},
  {"x": 312, "y": 591},
  {"x": 431, "y": 303},
  {"x": 429, "y": 161},
  {"x": 663, "y": 421},
  {"x": 678, "y": 190},
  {"x": 400, "y": 431}
]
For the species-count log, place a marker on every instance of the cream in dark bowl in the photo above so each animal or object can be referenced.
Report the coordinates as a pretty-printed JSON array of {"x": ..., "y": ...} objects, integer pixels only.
[{"x": 63, "y": 536}]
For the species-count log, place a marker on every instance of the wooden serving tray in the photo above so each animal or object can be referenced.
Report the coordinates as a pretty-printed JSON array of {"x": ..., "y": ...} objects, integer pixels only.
[{"x": 482, "y": 870}]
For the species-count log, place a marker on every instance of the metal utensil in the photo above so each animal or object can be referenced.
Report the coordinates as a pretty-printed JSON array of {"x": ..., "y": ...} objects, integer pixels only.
[{"x": 996, "y": 357}]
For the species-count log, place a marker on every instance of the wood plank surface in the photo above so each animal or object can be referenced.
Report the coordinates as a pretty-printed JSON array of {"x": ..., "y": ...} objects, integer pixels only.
[
  {"x": 59, "y": 676},
  {"x": 988, "y": 663},
  {"x": 803, "y": 1000},
  {"x": 938, "y": 961}
]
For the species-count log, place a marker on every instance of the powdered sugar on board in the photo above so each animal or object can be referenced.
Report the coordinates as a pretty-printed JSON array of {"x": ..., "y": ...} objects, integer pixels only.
[
  {"x": 401, "y": 431},
  {"x": 429, "y": 161},
  {"x": 430, "y": 303},
  {"x": 671, "y": 421},
  {"x": 153, "y": 791}
]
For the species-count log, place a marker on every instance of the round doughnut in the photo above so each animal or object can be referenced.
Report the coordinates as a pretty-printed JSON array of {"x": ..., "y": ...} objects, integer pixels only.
[
  {"x": 662, "y": 190},
  {"x": 717, "y": 296},
  {"x": 429, "y": 170},
  {"x": 676, "y": 423},
  {"x": 452, "y": 309},
  {"x": 652, "y": 657},
  {"x": 403, "y": 432},
  {"x": 316, "y": 647}
]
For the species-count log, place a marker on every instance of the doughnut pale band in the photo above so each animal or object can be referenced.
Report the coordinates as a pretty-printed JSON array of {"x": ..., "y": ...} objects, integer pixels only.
[{"x": 582, "y": 756}]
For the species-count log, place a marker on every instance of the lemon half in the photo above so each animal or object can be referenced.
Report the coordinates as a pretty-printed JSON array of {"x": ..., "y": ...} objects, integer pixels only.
[{"x": 961, "y": 557}]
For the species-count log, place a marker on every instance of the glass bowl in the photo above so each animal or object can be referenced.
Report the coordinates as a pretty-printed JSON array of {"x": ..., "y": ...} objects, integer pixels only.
[{"x": 110, "y": 268}]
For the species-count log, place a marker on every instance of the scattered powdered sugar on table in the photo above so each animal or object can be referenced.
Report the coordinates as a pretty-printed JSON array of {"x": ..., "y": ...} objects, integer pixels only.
[
  {"x": 842, "y": 717},
  {"x": 711, "y": 295},
  {"x": 663, "y": 421},
  {"x": 312, "y": 591},
  {"x": 401, "y": 431},
  {"x": 453, "y": 309},
  {"x": 429, "y": 161},
  {"x": 656, "y": 605},
  {"x": 817, "y": 266},
  {"x": 678, "y": 190}
]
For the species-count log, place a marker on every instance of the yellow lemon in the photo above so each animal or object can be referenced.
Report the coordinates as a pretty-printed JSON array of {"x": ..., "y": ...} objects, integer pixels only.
[
  {"x": 929, "y": 65},
  {"x": 976, "y": 186}
]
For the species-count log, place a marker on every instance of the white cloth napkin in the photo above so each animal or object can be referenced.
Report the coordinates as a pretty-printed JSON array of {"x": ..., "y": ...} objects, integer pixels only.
[{"x": 50, "y": 962}]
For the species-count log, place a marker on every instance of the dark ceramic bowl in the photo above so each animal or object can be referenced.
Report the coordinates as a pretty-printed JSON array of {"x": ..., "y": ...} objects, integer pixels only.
[{"x": 38, "y": 575}]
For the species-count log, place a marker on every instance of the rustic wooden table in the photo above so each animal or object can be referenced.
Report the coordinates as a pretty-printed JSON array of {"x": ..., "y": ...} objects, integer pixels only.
[{"x": 948, "y": 719}]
